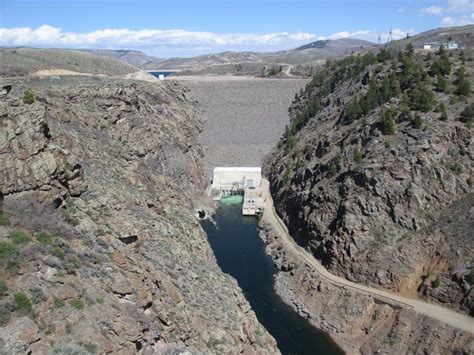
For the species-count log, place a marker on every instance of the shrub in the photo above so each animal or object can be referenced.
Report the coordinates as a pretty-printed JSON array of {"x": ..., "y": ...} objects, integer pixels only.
[
  {"x": 28, "y": 97},
  {"x": 388, "y": 122},
  {"x": 444, "y": 114},
  {"x": 4, "y": 221},
  {"x": 467, "y": 115},
  {"x": 19, "y": 237},
  {"x": 464, "y": 87},
  {"x": 77, "y": 303},
  {"x": 470, "y": 277},
  {"x": 436, "y": 282},
  {"x": 421, "y": 98},
  {"x": 358, "y": 156},
  {"x": 417, "y": 122},
  {"x": 455, "y": 168},
  {"x": 463, "y": 84},
  {"x": 335, "y": 165},
  {"x": 8, "y": 253},
  {"x": 3, "y": 288},
  {"x": 441, "y": 84},
  {"x": 45, "y": 239},
  {"x": 58, "y": 303},
  {"x": 23, "y": 303},
  {"x": 58, "y": 252},
  {"x": 286, "y": 176}
]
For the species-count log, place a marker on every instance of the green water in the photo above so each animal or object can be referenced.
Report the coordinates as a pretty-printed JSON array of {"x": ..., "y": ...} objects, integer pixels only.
[{"x": 232, "y": 200}]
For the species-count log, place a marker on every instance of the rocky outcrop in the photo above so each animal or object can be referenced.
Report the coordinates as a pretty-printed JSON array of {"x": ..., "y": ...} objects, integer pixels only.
[
  {"x": 374, "y": 176},
  {"x": 358, "y": 323},
  {"x": 100, "y": 249},
  {"x": 389, "y": 209}
]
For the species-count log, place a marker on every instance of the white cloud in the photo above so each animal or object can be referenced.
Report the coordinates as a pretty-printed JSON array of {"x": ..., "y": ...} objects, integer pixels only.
[
  {"x": 450, "y": 21},
  {"x": 172, "y": 42},
  {"x": 433, "y": 10},
  {"x": 457, "y": 12},
  {"x": 460, "y": 6}
]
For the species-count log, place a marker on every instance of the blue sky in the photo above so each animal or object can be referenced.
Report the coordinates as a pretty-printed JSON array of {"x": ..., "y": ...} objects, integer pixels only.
[{"x": 185, "y": 27}]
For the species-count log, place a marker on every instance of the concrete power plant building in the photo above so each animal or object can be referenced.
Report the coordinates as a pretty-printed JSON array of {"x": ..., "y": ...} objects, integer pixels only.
[
  {"x": 238, "y": 181},
  {"x": 229, "y": 180}
]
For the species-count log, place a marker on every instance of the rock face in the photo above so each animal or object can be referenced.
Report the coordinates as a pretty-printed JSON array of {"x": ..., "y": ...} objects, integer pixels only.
[
  {"x": 358, "y": 323},
  {"x": 99, "y": 179},
  {"x": 375, "y": 179}
]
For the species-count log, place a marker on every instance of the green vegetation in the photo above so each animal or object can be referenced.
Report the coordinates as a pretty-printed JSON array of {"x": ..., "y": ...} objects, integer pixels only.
[
  {"x": 335, "y": 165},
  {"x": 23, "y": 303},
  {"x": 58, "y": 252},
  {"x": 357, "y": 155},
  {"x": 19, "y": 237},
  {"x": 462, "y": 82},
  {"x": 387, "y": 78},
  {"x": 441, "y": 84},
  {"x": 441, "y": 66},
  {"x": 58, "y": 303},
  {"x": 4, "y": 220},
  {"x": 8, "y": 254},
  {"x": 275, "y": 70},
  {"x": 286, "y": 176},
  {"x": 467, "y": 115},
  {"x": 387, "y": 121},
  {"x": 470, "y": 277},
  {"x": 77, "y": 303},
  {"x": 436, "y": 282},
  {"x": 421, "y": 98},
  {"x": 3, "y": 288},
  {"x": 28, "y": 97},
  {"x": 442, "y": 110},
  {"x": 455, "y": 168},
  {"x": 44, "y": 238},
  {"x": 417, "y": 122}
]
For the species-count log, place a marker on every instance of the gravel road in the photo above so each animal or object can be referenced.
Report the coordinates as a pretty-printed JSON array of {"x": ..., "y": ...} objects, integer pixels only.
[{"x": 244, "y": 116}]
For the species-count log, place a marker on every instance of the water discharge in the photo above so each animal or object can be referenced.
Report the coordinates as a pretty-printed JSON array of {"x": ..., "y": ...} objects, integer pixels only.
[{"x": 240, "y": 253}]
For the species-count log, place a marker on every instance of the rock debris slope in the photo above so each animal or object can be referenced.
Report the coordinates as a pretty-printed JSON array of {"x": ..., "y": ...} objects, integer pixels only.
[
  {"x": 374, "y": 177},
  {"x": 99, "y": 246}
]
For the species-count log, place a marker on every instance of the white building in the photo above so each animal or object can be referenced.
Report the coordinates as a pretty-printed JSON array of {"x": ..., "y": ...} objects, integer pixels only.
[
  {"x": 437, "y": 45},
  {"x": 227, "y": 179}
]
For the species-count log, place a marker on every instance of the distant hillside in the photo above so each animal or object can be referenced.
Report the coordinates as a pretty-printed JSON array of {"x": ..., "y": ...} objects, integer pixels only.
[
  {"x": 132, "y": 57},
  {"x": 24, "y": 61},
  {"x": 255, "y": 63},
  {"x": 463, "y": 36},
  {"x": 343, "y": 43}
]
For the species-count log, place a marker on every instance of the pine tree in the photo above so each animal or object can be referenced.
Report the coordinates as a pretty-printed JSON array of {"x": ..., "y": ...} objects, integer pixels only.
[
  {"x": 441, "y": 84},
  {"x": 409, "y": 49},
  {"x": 388, "y": 122}
]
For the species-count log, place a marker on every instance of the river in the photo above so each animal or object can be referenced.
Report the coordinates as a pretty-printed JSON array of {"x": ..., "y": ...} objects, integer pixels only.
[{"x": 241, "y": 253}]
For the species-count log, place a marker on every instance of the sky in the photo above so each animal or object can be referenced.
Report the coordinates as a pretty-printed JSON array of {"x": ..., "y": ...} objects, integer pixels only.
[{"x": 184, "y": 28}]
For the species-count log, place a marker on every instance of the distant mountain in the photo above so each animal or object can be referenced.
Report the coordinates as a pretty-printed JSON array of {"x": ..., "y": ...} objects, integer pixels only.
[
  {"x": 133, "y": 57},
  {"x": 254, "y": 63},
  {"x": 344, "y": 43}
]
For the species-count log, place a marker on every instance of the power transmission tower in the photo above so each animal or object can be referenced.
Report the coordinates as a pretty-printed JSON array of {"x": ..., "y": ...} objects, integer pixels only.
[{"x": 390, "y": 36}]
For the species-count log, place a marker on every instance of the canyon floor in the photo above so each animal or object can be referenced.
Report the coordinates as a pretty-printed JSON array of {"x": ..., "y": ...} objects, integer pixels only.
[{"x": 244, "y": 116}]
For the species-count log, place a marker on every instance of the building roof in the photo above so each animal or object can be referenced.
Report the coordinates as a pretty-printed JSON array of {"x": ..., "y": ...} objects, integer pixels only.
[{"x": 238, "y": 169}]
